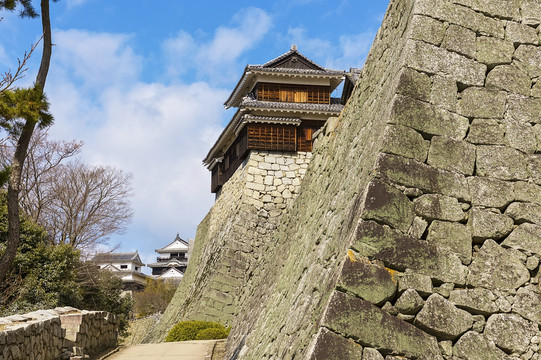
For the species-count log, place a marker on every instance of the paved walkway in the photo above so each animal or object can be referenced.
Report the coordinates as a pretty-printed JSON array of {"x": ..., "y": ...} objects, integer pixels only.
[{"x": 185, "y": 350}]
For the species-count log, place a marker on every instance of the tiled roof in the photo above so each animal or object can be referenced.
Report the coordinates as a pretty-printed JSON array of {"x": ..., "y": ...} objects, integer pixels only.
[
  {"x": 252, "y": 103},
  {"x": 294, "y": 71},
  {"x": 117, "y": 257}
]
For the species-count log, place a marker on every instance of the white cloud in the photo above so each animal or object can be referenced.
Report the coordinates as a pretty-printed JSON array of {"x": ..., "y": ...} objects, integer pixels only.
[
  {"x": 97, "y": 59},
  {"x": 350, "y": 51},
  {"x": 215, "y": 59},
  {"x": 75, "y": 3}
]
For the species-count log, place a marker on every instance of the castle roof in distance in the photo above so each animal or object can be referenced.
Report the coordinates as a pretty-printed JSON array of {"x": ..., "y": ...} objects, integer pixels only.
[
  {"x": 177, "y": 245},
  {"x": 113, "y": 258}
]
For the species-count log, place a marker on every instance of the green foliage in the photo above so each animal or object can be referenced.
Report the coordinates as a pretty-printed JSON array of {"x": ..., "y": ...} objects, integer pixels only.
[
  {"x": 102, "y": 290},
  {"x": 212, "y": 333},
  {"x": 155, "y": 298},
  {"x": 27, "y": 10},
  {"x": 28, "y": 104},
  {"x": 190, "y": 330}
]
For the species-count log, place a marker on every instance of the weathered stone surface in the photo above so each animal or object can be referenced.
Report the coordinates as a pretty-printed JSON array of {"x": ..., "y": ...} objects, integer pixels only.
[
  {"x": 452, "y": 155},
  {"x": 510, "y": 332},
  {"x": 427, "y": 118},
  {"x": 492, "y": 51},
  {"x": 358, "y": 318},
  {"x": 528, "y": 303},
  {"x": 371, "y": 282},
  {"x": 521, "y": 136},
  {"x": 481, "y": 102},
  {"x": 418, "y": 227},
  {"x": 531, "y": 12},
  {"x": 422, "y": 284},
  {"x": 463, "y": 16},
  {"x": 520, "y": 34},
  {"x": 409, "y": 302},
  {"x": 490, "y": 192},
  {"x": 414, "y": 84},
  {"x": 330, "y": 346},
  {"x": 524, "y": 212},
  {"x": 427, "y": 29},
  {"x": 453, "y": 237},
  {"x": 387, "y": 204},
  {"x": 444, "y": 92},
  {"x": 429, "y": 179},
  {"x": 371, "y": 354},
  {"x": 525, "y": 237},
  {"x": 525, "y": 109},
  {"x": 403, "y": 252},
  {"x": 497, "y": 8},
  {"x": 475, "y": 346},
  {"x": 460, "y": 40},
  {"x": 441, "y": 318},
  {"x": 434, "y": 206},
  {"x": 487, "y": 270},
  {"x": 476, "y": 301},
  {"x": 489, "y": 223},
  {"x": 527, "y": 192},
  {"x": 428, "y": 58},
  {"x": 487, "y": 132},
  {"x": 404, "y": 141},
  {"x": 509, "y": 78},
  {"x": 502, "y": 162},
  {"x": 529, "y": 56}
]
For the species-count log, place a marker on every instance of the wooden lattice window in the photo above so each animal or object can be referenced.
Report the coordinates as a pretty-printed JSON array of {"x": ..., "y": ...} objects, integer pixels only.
[
  {"x": 293, "y": 93},
  {"x": 272, "y": 137}
]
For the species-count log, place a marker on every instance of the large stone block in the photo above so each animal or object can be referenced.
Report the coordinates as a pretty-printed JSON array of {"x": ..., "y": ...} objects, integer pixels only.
[
  {"x": 524, "y": 109},
  {"x": 463, "y": 16},
  {"x": 475, "y": 346},
  {"x": 452, "y": 155},
  {"x": 375, "y": 328},
  {"x": 529, "y": 56},
  {"x": 489, "y": 224},
  {"x": 487, "y": 132},
  {"x": 440, "y": 207},
  {"x": 429, "y": 179},
  {"x": 387, "y": 204},
  {"x": 527, "y": 192},
  {"x": 497, "y": 8},
  {"x": 481, "y": 102},
  {"x": 444, "y": 92},
  {"x": 427, "y": 29},
  {"x": 521, "y": 34},
  {"x": 414, "y": 84},
  {"x": 427, "y": 118},
  {"x": 460, "y": 40},
  {"x": 404, "y": 141},
  {"x": 453, "y": 237},
  {"x": 502, "y": 162},
  {"x": 369, "y": 281},
  {"x": 490, "y": 192},
  {"x": 492, "y": 51},
  {"x": 509, "y": 78},
  {"x": 409, "y": 303},
  {"x": 442, "y": 319},
  {"x": 528, "y": 303},
  {"x": 525, "y": 237},
  {"x": 487, "y": 269},
  {"x": 477, "y": 301},
  {"x": 510, "y": 332},
  {"x": 521, "y": 136},
  {"x": 418, "y": 282},
  {"x": 428, "y": 58},
  {"x": 403, "y": 252},
  {"x": 330, "y": 346},
  {"x": 524, "y": 212}
]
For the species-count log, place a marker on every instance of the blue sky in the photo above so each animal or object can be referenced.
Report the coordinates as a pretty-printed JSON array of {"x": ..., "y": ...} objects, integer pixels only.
[{"x": 143, "y": 82}]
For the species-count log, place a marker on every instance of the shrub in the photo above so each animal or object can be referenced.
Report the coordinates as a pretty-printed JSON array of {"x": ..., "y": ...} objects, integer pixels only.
[
  {"x": 154, "y": 299},
  {"x": 189, "y": 330},
  {"x": 212, "y": 333}
]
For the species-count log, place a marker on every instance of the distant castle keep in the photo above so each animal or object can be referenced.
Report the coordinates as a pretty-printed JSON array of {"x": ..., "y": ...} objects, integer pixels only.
[{"x": 280, "y": 105}]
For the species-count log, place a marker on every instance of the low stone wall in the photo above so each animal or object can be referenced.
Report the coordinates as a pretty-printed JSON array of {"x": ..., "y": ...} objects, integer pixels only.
[{"x": 61, "y": 333}]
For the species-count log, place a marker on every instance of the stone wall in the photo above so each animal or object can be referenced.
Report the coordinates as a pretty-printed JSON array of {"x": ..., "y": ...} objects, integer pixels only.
[
  {"x": 417, "y": 228},
  {"x": 232, "y": 237},
  {"x": 62, "y": 333}
]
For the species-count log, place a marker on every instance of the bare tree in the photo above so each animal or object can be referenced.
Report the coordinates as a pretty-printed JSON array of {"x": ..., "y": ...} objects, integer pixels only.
[
  {"x": 8, "y": 78},
  {"x": 87, "y": 204}
]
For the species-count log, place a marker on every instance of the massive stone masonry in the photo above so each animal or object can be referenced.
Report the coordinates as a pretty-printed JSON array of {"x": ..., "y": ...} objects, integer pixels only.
[
  {"x": 416, "y": 231},
  {"x": 231, "y": 239},
  {"x": 60, "y": 333}
]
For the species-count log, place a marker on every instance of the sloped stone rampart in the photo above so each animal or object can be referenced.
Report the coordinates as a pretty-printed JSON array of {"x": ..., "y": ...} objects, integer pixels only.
[
  {"x": 61, "y": 333},
  {"x": 232, "y": 238},
  {"x": 429, "y": 185}
]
